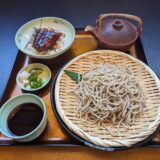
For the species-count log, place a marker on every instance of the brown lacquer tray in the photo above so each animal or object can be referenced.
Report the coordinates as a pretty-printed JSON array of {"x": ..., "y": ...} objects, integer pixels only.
[{"x": 54, "y": 134}]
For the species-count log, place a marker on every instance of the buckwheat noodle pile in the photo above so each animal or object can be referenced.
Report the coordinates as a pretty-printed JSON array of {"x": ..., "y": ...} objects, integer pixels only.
[{"x": 109, "y": 95}]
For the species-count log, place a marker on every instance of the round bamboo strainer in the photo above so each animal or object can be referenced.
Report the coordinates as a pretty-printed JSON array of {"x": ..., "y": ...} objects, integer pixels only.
[{"x": 66, "y": 102}]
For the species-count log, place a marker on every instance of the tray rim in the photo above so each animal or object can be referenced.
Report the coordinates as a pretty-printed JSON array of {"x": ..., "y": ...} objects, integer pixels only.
[{"x": 142, "y": 143}]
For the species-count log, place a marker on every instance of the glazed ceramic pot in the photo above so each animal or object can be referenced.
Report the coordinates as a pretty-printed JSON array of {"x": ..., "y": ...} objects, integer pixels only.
[{"x": 116, "y": 31}]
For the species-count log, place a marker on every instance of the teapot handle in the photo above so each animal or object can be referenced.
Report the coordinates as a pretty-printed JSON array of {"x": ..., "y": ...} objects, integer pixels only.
[{"x": 121, "y": 15}]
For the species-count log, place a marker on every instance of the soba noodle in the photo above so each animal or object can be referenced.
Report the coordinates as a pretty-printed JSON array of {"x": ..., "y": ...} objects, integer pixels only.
[{"x": 109, "y": 94}]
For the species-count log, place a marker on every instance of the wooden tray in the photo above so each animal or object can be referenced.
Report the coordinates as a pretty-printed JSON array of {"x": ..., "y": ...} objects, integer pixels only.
[{"x": 54, "y": 134}]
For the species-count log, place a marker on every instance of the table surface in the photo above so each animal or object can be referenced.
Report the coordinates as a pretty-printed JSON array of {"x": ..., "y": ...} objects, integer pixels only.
[
  {"x": 14, "y": 13},
  {"x": 76, "y": 153}
]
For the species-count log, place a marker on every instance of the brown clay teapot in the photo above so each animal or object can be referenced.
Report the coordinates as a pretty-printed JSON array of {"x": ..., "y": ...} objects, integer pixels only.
[{"x": 114, "y": 31}]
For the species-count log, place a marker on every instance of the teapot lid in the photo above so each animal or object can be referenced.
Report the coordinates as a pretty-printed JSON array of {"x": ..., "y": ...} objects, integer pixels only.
[{"x": 116, "y": 31}]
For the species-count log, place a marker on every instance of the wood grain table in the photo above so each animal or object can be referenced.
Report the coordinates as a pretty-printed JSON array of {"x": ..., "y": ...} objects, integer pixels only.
[{"x": 76, "y": 153}]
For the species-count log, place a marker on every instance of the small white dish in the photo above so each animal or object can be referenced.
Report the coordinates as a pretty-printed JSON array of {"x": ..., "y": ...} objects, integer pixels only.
[
  {"x": 24, "y": 34},
  {"x": 45, "y": 76}
]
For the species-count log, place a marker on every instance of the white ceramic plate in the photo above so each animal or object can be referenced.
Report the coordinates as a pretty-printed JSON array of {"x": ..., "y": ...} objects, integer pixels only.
[
  {"x": 24, "y": 34},
  {"x": 45, "y": 76}
]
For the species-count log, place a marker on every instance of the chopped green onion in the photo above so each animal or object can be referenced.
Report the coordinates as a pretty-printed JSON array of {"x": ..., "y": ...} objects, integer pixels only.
[{"x": 35, "y": 81}]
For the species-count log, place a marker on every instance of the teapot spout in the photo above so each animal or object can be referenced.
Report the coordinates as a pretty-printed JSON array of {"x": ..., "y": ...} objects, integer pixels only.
[{"x": 92, "y": 30}]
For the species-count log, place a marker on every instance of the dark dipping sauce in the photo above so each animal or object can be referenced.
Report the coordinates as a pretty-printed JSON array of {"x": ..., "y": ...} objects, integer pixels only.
[{"x": 24, "y": 118}]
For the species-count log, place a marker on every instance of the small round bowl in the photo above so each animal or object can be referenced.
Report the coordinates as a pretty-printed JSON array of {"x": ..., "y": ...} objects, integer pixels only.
[
  {"x": 7, "y": 108},
  {"x": 23, "y": 36},
  {"x": 46, "y": 76}
]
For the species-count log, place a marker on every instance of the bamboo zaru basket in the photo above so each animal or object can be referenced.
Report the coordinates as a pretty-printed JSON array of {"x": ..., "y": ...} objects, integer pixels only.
[{"x": 66, "y": 103}]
